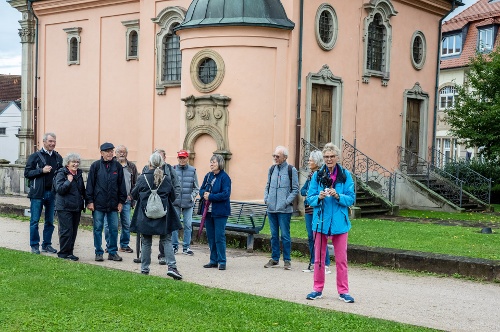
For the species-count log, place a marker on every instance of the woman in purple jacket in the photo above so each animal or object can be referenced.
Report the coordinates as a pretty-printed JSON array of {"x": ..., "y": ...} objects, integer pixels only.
[{"x": 216, "y": 190}]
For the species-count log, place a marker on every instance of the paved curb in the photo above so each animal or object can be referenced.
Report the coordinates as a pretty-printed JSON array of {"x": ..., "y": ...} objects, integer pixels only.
[{"x": 383, "y": 257}]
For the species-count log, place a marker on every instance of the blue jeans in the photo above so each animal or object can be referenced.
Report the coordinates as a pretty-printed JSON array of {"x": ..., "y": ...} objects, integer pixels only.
[
  {"x": 277, "y": 222},
  {"x": 125, "y": 223},
  {"x": 111, "y": 240},
  {"x": 216, "y": 235},
  {"x": 187, "y": 220},
  {"x": 310, "y": 239},
  {"x": 36, "y": 205}
]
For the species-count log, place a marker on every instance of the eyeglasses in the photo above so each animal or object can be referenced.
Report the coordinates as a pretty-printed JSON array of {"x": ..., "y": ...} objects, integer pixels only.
[
  {"x": 276, "y": 156},
  {"x": 330, "y": 157},
  {"x": 182, "y": 157}
]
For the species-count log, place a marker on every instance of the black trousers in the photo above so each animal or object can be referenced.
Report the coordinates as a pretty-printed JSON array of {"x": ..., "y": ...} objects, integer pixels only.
[{"x": 68, "y": 228}]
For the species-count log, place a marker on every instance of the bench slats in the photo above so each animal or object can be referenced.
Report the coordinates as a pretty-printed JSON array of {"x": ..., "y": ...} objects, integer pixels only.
[{"x": 245, "y": 217}]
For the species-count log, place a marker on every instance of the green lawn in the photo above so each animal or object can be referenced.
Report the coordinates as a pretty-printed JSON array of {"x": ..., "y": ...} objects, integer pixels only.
[
  {"x": 482, "y": 217},
  {"x": 41, "y": 293},
  {"x": 427, "y": 237}
]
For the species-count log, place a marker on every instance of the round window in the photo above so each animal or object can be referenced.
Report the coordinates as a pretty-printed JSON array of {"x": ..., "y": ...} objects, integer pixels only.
[
  {"x": 207, "y": 70},
  {"x": 418, "y": 50},
  {"x": 326, "y": 27}
]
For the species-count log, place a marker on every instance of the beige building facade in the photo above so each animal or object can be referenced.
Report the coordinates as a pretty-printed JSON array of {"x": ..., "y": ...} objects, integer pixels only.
[{"x": 233, "y": 77}]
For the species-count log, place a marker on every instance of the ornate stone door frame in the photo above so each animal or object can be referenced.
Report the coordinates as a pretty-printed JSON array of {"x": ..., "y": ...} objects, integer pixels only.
[
  {"x": 417, "y": 93},
  {"x": 326, "y": 77},
  {"x": 207, "y": 115}
]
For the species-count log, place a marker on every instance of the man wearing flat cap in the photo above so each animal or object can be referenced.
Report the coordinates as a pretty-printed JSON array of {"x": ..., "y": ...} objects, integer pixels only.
[{"x": 106, "y": 192}]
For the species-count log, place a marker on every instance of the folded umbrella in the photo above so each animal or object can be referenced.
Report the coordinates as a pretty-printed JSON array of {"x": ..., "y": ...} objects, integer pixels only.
[{"x": 203, "y": 217}]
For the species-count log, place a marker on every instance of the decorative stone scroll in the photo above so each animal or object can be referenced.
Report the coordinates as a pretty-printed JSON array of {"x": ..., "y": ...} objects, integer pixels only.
[{"x": 209, "y": 115}]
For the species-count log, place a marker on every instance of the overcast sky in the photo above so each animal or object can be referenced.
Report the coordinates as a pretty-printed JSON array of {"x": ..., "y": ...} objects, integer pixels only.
[{"x": 10, "y": 43}]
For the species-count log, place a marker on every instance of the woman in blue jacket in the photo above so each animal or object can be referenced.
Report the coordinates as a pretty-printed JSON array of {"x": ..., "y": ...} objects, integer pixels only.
[
  {"x": 216, "y": 190},
  {"x": 330, "y": 193}
]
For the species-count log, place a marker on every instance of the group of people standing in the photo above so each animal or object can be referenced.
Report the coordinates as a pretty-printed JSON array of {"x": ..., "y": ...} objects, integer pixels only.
[{"x": 114, "y": 187}]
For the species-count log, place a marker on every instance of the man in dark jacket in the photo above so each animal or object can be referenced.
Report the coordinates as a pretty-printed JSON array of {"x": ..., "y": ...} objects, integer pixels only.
[
  {"x": 106, "y": 194},
  {"x": 40, "y": 169},
  {"x": 130, "y": 178}
]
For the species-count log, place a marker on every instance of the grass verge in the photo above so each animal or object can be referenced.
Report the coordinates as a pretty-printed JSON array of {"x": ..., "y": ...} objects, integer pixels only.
[
  {"x": 45, "y": 294},
  {"x": 425, "y": 237}
]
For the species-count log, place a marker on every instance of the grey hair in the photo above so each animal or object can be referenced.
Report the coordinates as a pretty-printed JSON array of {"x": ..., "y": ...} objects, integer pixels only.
[
  {"x": 46, "y": 135},
  {"x": 331, "y": 147},
  {"x": 159, "y": 150},
  {"x": 220, "y": 161},
  {"x": 282, "y": 149},
  {"x": 121, "y": 146},
  {"x": 71, "y": 157},
  {"x": 317, "y": 157},
  {"x": 156, "y": 162}
]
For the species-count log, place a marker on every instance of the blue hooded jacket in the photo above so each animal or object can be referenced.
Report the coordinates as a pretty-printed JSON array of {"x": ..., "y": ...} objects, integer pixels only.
[{"x": 331, "y": 216}]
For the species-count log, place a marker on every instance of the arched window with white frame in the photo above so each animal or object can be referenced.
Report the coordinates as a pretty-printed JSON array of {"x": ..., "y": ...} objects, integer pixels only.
[
  {"x": 377, "y": 40},
  {"x": 168, "y": 52}
]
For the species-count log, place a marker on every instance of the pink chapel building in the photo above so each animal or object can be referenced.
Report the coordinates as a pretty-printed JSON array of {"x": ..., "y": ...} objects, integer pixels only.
[{"x": 235, "y": 77}]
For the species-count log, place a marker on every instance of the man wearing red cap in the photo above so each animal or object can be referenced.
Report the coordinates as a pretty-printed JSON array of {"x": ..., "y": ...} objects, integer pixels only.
[{"x": 185, "y": 203}]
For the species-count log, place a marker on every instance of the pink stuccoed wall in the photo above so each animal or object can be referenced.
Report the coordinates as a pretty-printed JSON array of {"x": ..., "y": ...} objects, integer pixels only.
[{"x": 107, "y": 98}]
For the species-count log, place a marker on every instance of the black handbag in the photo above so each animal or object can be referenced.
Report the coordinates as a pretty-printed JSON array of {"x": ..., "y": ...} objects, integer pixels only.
[{"x": 201, "y": 205}]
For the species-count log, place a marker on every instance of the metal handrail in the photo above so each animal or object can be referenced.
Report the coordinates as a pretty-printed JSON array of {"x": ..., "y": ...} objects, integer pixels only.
[
  {"x": 363, "y": 167},
  {"x": 307, "y": 148},
  {"x": 477, "y": 184},
  {"x": 369, "y": 171},
  {"x": 449, "y": 186}
]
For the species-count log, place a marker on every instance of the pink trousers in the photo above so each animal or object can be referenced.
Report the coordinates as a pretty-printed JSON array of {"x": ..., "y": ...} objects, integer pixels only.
[{"x": 340, "y": 247}]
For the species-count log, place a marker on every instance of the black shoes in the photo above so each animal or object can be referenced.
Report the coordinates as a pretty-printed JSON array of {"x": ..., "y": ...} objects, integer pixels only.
[
  {"x": 114, "y": 257},
  {"x": 49, "y": 249},
  {"x": 70, "y": 258},
  {"x": 172, "y": 272},
  {"x": 214, "y": 265}
]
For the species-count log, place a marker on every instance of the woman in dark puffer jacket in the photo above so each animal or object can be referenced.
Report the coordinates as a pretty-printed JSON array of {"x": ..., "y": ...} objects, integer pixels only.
[{"x": 70, "y": 202}]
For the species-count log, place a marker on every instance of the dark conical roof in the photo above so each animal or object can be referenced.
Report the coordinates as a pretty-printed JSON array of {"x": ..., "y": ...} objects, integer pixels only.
[{"x": 209, "y": 13}]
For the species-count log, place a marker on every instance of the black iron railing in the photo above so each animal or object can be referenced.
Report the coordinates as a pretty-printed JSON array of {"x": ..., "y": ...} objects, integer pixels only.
[
  {"x": 436, "y": 179},
  {"x": 363, "y": 167},
  {"x": 474, "y": 183},
  {"x": 369, "y": 171},
  {"x": 307, "y": 148}
]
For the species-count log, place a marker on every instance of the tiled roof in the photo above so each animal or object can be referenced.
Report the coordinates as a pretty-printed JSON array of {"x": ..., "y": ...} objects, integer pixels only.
[
  {"x": 478, "y": 11},
  {"x": 482, "y": 13},
  {"x": 10, "y": 87}
]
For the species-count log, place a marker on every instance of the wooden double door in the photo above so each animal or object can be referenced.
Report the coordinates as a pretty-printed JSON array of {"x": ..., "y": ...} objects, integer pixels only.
[{"x": 321, "y": 115}]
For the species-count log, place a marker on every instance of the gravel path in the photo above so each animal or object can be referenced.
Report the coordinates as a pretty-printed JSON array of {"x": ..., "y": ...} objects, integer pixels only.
[{"x": 441, "y": 303}]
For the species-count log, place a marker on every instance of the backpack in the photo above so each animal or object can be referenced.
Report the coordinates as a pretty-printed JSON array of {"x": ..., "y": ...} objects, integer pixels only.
[
  {"x": 154, "y": 206},
  {"x": 271, "y": 170},
  {"x": 44, "y": 163}
]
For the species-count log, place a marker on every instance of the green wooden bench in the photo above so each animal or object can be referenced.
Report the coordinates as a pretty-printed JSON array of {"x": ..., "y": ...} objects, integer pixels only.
[{"x": 245, "y": 217}]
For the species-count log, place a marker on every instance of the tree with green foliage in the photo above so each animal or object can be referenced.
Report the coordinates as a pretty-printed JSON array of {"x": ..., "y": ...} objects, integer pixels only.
[{"x": 475, "y": 117}]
